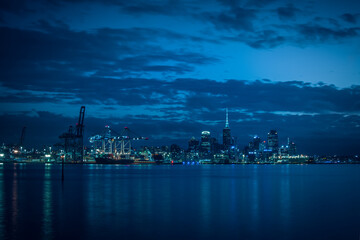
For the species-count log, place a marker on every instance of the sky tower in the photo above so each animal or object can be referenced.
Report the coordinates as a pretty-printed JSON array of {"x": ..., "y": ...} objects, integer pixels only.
[{"x": 227, "y": 132}]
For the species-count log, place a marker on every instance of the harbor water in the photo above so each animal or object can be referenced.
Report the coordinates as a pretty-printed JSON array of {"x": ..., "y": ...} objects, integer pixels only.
[{"x": 180, "y": 202}]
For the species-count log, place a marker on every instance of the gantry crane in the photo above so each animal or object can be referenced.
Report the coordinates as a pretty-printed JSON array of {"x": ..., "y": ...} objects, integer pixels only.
[
  {"x": 74, "y": 140},
  {"x": 22, "y": 137},
  {"x": 113, "y": 144}
]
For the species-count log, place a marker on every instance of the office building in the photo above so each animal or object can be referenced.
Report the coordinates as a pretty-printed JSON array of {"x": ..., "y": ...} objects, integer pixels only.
[
  {"x": 273, "y": 141},
  {"x": 205, "y": 145}
]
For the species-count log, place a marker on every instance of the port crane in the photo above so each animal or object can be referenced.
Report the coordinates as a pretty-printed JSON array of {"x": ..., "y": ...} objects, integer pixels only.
[
  {"x": 74, "y": 139},
  {"x": 22, "y": 137},
  {"x": 117, "y": 145}
]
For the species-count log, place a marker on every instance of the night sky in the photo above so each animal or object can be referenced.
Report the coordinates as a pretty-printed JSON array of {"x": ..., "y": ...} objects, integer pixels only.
[{"x": 168, "y": 70}]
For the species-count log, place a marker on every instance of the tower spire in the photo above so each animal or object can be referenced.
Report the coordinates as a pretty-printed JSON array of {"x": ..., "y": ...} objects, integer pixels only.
[{"x": 227, "y": 119}]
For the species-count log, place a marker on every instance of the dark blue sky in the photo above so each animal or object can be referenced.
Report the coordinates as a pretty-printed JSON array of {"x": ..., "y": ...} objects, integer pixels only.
[{"x": 168, "y": 69}]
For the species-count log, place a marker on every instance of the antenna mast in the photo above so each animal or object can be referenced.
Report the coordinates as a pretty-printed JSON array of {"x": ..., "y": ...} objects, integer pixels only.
[{"x": 227, "y": 119}]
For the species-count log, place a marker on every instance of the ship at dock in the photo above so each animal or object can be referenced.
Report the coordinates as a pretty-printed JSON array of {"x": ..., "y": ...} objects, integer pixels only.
[
  {"x": 111, "y": 147},
  {"x": 110, "y": 159},
  {"x": 127, "y": 160}
]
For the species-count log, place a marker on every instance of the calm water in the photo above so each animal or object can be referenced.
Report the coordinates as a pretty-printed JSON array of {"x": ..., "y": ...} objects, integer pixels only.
[{"x": 180, "y": 202}]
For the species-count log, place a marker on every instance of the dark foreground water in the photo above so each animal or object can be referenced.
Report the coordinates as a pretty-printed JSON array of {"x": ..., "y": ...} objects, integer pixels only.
[{"x": 180, "y": 202}]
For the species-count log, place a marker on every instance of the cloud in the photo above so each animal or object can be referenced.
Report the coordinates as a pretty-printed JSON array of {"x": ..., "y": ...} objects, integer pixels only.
[
  {"x": 17, "y": 7},
  {"x": 265, "y": 39},
  {"x": 258, "y": 95},
  {"x": 169, "y": 7},
  {"x": 293, "y": 96},
  {"x": 55, "y": 55},
  {"x": 301, "y": 35},
  {"x": 260, "y": 28},
  {"x": 162, "y": 7},
  {"x": 53, "y": 58},
  {"x": 288, "y": 12},
  {"x": 350, "y": 18},
  {"x": 260, "y": 3},
  {"x": 318, "y": 34},
  {"x": 254, "y": 23},
  {"x": 236, "y": 18}
]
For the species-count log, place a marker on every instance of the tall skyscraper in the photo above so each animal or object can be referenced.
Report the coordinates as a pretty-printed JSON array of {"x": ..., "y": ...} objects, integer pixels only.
[
  {"x": 227, "y": 132},
  {"x": 273, "y": 141},
  {"x": 256, "y": 142},
  {"x": 205, "y": 141}
]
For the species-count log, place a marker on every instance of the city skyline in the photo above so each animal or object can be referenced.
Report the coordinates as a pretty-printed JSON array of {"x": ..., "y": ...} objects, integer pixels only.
[
  {"x": 225, "y": 140},
  {"x": 169, "y": 69}
]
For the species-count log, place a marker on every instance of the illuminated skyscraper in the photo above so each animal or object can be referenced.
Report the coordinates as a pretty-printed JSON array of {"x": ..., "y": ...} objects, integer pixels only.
[
  {"x": 205, "y": 141},
  {"x": 227, "y": 132},
  {"x": 273, "y": 141}
]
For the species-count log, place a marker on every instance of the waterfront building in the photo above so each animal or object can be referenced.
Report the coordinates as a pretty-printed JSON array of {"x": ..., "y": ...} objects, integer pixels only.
[
  {"x": 273, "y": 141},
  {"x": 256, "y": 143},
  {"x": 193, "y": 144},
  {"x": 205, "y": 145},
  {"x": 215, "y": 146},
  {"x": 292, "y": 149},
  {"x": 283, "y": 150},
  {"x": 262, "y": 146}
]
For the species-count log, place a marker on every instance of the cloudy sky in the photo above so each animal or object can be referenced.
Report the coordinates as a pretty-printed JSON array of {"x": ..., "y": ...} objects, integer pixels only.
[{"x": 168, "y": 69}]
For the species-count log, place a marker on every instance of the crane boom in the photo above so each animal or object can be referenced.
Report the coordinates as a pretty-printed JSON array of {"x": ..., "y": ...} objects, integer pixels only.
[{"x": 22, "y": 137}]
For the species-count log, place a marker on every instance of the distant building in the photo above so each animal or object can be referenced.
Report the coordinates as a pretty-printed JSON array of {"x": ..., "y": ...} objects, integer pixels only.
[
  {"x": 193, "y": 144},
  {"x": 227, "y": 133},
  {"x": 256, "y": 143},
  {"x": 262, "y": 146},
  {"x": 251, "y": 146},
  {"x": 292, "y": 149},
  {"x": 273, "y": 141},
  {"x": 213, "y": 142},
  {"x": 205, "y": 145},
  {"x": 175, "y": 148},
  {"x": 283, "y": 150}
]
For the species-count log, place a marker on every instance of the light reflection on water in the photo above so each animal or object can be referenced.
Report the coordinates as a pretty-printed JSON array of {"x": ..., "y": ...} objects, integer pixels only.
[
  {"x": 285, "y": 192},
  {"x": 2, "y": 203},
  {"x": 14, "y": 201},
  {"x": 179, "y": 202},
  {"x": 254, "y": 199},
  {"x": 205, "y": 195},
  {"x": 47, "y": 204}
]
